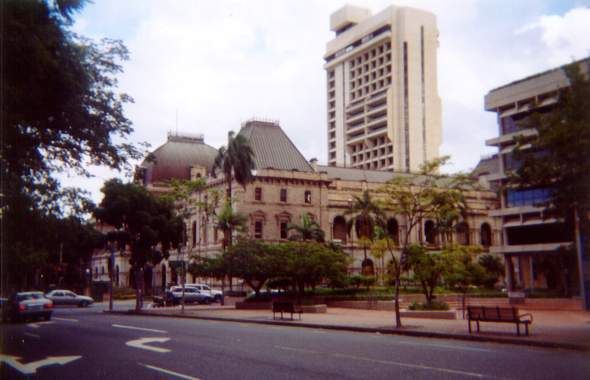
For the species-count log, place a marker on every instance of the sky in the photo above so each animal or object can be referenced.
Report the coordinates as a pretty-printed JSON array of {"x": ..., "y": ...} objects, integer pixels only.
[{"x": 206, "y": 66}]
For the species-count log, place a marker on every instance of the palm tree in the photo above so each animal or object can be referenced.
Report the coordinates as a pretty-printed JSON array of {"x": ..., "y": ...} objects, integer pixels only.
[
  {"x": 229, "y": 221},
  {"x": 366, "y": 214},
  {"x": 236, "y": 162},
  {"x": 309, "y": 229}
]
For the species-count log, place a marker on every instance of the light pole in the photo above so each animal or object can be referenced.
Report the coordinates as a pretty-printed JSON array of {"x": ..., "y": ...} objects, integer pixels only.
[{"x": 111, "y": 269}]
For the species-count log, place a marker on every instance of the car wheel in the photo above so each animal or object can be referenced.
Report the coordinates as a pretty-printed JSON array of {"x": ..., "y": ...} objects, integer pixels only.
[
  {"x": 218, "y": 298},
  {"x": 83, "y": 304},
  {"x": 47, "y": 317}
]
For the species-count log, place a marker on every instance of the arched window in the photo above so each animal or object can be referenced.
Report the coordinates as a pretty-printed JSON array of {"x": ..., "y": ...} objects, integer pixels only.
[
  {"x": 393, "y": 230},
  {"x": 307, "y": 196},
  {"x": 367, "y": 267},
  {"x": 463, "y": 233},
  {"x": 485, "y": 233},
  {"x": 102, "y": 270},
  {"x": 429, "y": 232},
  {"x": 339, "y": 228}
]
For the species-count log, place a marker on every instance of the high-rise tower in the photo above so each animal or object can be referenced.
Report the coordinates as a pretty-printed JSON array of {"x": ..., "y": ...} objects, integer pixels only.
[{"x": 384, "y": 111}]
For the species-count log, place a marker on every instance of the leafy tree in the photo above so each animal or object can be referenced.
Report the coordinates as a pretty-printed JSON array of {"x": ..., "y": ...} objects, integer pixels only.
[
  {"x": 252, "y": 261},
  {"x": 149, "y": 225},
  {"x": 428, "y": 269},
  {"x": 60, "y": 112},
  {"x": 557, "y": 158},
  {"x": 365, "y": 214},
  {"x": 307, "y": 230},
  {"x": 229, "y": 221},
  {"x": 493, "y": 269},
  {"x": 462, "y": 272}
]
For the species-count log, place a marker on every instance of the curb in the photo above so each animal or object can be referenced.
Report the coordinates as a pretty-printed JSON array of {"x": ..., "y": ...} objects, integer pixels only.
[{"x": 392, "y": 331}]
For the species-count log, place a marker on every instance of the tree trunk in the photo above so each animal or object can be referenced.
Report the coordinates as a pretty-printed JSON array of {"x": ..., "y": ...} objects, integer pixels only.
[{"x": 398, "y": 318}]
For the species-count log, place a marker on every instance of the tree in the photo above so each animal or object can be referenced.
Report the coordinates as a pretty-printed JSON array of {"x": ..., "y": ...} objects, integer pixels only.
[
  {"x": 462, "y": 272},
  {"x": 236, "y": 162},
  {"x": 307, "y": 230},
  {"x": 148, "y": 225},
  {"x": 427, "y": 267},
  {"x": 365, "y": 214},
  {"x": 229, "y": 221},
  {"x": 557, "y": 159},
  {"x": 382, "y": 245},
  {"x": 60, "y": 112},
  {"x": 493, "y": 269},
  {"x": 252, "y": 261}
]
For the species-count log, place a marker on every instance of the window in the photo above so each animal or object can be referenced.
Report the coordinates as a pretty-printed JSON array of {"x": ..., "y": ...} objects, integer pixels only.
[
  {"x": 258, "y": 194},
  {"x": 194, "y": 233},
  {"x": 215, "y": 235},
  {"x": 528, "y": 197},
  {"x": 258, "y": 229},
  {"x": 307, "y": 196},
  {"x": 430, "y": 232},
  {"x": 283, "y": 195},
  {"x": 463, "y": 233},
  {"x": 284, "y": 230},
  {"x": 486, "y": 235}
]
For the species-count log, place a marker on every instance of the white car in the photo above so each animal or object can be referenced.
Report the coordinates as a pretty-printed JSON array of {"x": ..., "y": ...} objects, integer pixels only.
[{"x": 205, "y": 289}]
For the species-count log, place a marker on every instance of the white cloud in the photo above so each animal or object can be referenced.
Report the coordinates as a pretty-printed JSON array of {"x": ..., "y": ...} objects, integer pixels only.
[{"x": 221, "y": 62}]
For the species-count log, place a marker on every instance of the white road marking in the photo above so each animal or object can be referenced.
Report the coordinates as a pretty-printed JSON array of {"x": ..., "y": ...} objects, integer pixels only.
[
  {"x": 437, "y": 345},
  {"x": 168, "y": 372},
  {"x": 33, "y": 335},
  {"x": 138, "y": 328},
  {"x": 408, "y": 365},
  {"x": 31, "y": 368},
  {"x": 142, "y": 343},
  {"x": 36, "y": 325},
  {"x": 387, "y": 362},
  {"x": 66, "y": 319}
]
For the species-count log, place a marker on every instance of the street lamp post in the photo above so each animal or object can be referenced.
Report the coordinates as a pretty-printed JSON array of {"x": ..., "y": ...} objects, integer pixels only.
[{"x": 111, "y": 270}]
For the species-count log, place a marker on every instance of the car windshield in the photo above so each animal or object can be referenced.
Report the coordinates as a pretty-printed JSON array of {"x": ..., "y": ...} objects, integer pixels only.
[{"x": 29, "y": 296}]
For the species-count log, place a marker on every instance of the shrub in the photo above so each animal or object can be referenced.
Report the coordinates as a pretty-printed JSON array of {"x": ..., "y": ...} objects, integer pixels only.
[{"x": 434, "y": 305}]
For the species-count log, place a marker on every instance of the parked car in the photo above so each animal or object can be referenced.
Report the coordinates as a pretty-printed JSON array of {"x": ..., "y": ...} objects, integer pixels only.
[
  {"x": 66, "y": 297},
  {"x": 191, "y": 295},
  {"x": 24, "y": 305},
  {"x": 215, "y": 294}
]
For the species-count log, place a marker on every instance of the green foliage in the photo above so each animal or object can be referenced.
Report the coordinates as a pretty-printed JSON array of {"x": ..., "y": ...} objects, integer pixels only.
[
  {"x": 462, "y": 272},
  {"x": 229, "y": 221},
  {"x": 60, "y": 112},
  {"x": 432, "y": 306},
  {"x": 493, "y": 269},
  {"x": 427, "y": 267},
  {"x": 252, "y": 261},
  {"x": 307, "y": 230},
  {"x": 365, "y": 214},
  {"x": 559, "y": 158},
  {"x": 147, "y": 221}
]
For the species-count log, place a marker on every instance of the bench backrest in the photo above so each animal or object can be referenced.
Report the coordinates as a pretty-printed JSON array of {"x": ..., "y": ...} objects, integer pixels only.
[
  {"x": 492, "y": 313},
  {"x": 283, "y": 306}
]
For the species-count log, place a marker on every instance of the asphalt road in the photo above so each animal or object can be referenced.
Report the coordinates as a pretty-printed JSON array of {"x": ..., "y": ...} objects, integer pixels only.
[{"x": 87, "y": 344}]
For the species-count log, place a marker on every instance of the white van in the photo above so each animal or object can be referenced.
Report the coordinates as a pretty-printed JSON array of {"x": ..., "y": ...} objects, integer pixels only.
[{"x": 205, "y": 289}]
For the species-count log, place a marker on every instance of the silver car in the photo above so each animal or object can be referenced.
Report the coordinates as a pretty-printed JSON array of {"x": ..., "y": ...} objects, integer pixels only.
[
  {"x": 66, "y": 297},
  {"x": 24, "y": 305}
]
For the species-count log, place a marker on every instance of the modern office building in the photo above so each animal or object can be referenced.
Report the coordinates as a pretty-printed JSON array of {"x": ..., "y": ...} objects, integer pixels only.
[
  {"x": 384, "y": 112},
  {"x": 533, "y": 236}
]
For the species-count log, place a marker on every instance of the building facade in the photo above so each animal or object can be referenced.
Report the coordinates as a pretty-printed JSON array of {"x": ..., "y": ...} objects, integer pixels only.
[
  {"x": 284, "y": 188},
  {"x": 383, "y": 108},
  {"x": 533, "y": 237}
]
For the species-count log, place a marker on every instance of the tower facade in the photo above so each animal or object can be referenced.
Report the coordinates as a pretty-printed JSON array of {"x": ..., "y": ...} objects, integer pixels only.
[{"x": 384, "y": 111}]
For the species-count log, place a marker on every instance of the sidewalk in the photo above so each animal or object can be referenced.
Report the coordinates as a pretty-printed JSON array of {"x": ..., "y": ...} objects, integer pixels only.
[{"x": 558, "y": 329}]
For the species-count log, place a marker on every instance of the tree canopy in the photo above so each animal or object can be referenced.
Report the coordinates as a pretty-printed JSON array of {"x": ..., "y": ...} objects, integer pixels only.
[{"x": 60, "y": 112}]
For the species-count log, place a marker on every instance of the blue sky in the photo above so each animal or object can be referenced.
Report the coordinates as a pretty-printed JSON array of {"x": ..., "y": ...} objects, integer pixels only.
[{"x": 218, "y": 63}]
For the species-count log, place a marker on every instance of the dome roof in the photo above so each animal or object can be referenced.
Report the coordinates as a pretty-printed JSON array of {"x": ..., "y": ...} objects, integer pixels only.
[{"x": 174, "y": 159}]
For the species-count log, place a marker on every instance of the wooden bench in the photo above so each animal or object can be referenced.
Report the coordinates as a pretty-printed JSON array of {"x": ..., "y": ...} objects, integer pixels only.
[
  {"x": 285, "y": 307},
  {"x": 499, "y": 315}
]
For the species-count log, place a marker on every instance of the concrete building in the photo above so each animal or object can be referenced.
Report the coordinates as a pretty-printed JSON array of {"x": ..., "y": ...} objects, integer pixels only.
[
  {"x": 285, "y": 187},
  {"x": 533, "y": 237},
  {"x": 384, "y": 112}
]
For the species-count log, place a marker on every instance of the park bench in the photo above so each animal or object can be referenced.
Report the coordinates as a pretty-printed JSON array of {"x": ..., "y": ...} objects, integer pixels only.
[
  {"x": 285, "y": 307},
  {"x": 500, "y": 315}
]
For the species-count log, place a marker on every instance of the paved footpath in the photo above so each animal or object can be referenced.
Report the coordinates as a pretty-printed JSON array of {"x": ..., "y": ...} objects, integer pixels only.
[{"x": 565, "y": 329}]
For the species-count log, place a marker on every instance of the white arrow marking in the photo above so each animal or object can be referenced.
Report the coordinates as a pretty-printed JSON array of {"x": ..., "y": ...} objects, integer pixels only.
[
  {"x": 138, "y": 328},
  {"x": 38, "y": 324},
  {"x": 168, "y": 372},
  {"x": 31, "y": 368},
  {"x": 33, "y": 335},
  {"x": 142, "y": 343}
]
